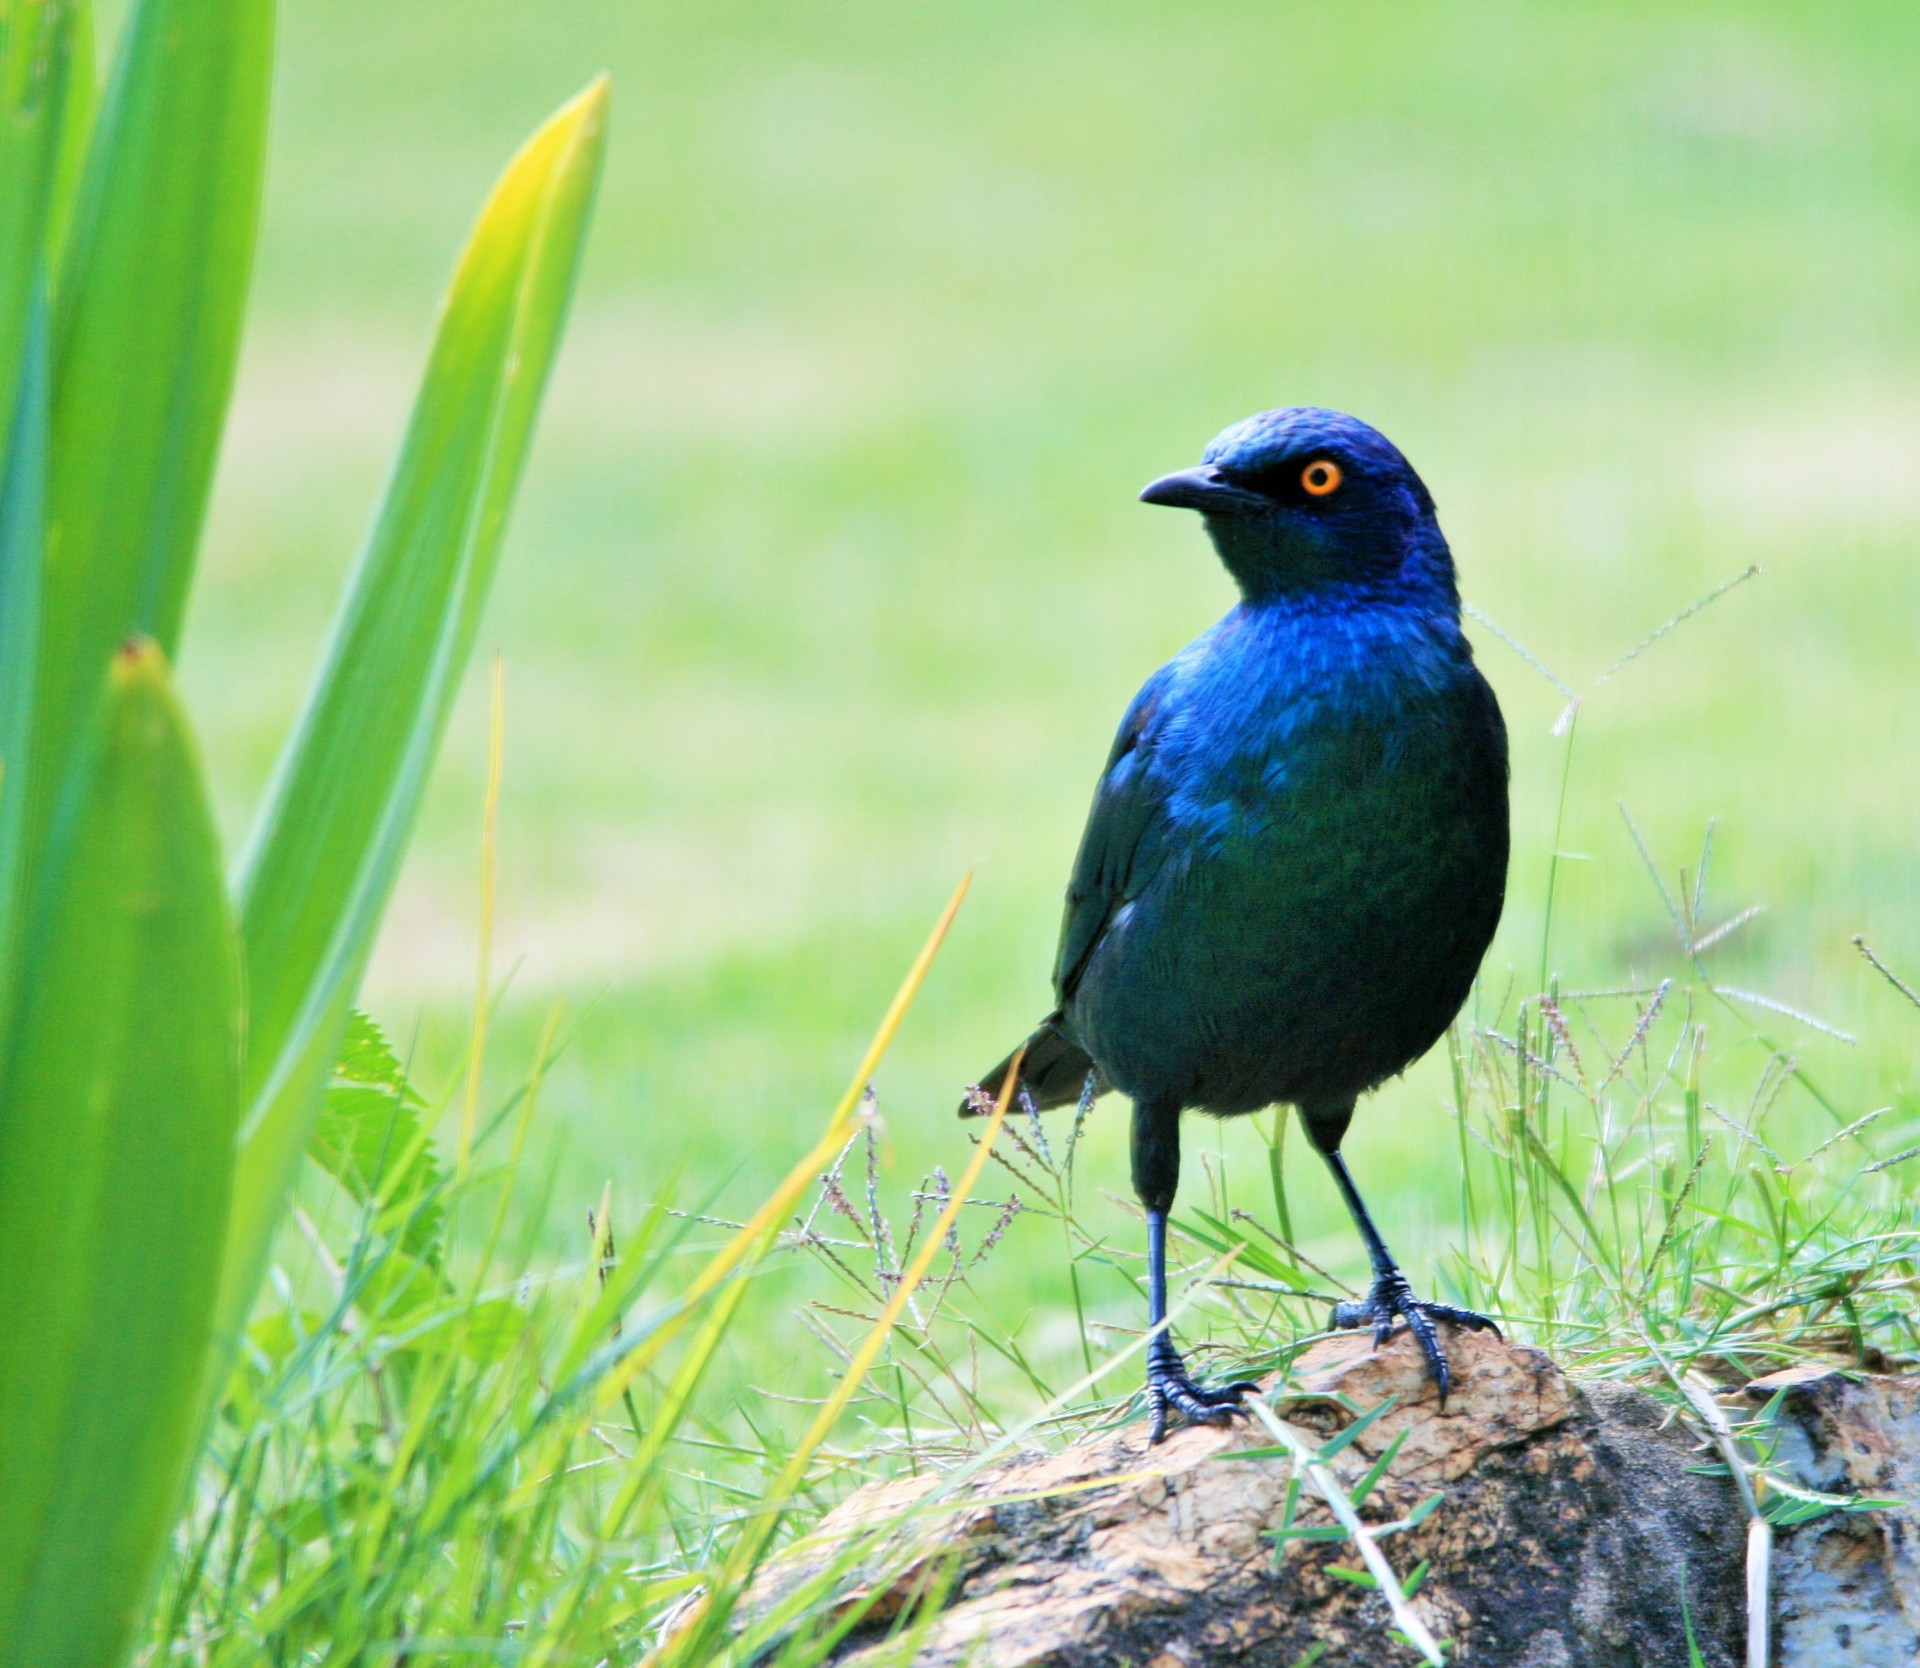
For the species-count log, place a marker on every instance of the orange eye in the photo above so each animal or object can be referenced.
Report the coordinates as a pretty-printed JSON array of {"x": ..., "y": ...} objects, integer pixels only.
[{"x": 1320, "y": 477}]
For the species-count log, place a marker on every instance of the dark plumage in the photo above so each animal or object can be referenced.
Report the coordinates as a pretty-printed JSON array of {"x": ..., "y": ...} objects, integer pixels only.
[{"x": 1297, "y": 853}]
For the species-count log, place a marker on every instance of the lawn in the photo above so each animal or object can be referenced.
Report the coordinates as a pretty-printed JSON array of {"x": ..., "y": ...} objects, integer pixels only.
[
  {"x": 825, "y": 589},
  {"x": 828, "y": 583}
]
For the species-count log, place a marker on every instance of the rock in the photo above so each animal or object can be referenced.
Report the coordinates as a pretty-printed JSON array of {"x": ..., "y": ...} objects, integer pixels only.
[
  {"x": 1578, "y": 1528},
  {"x": 1846, "y": 1589}
]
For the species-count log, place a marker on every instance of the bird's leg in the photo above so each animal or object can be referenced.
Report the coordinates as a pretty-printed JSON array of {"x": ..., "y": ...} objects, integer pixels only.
[
  {"x": 1391, "y": 1296},
  {"x": 1156, "y": 1176}
]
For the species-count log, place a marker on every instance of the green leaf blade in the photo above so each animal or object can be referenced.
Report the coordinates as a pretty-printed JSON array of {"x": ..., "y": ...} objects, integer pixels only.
[
  {"x": 327, "y": 847},
  {"x": 117, "y": 1120},
  {"x": 38, "y": 52},
  {"x": 148, "y": 301}
]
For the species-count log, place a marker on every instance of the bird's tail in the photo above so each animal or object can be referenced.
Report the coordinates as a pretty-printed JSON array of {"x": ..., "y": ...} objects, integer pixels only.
[{"x": 1053, "y": 1071}]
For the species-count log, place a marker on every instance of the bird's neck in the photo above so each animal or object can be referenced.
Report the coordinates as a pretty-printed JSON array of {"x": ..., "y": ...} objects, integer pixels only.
[
  {"x": 1327, "y": 640},
  {"x": 1425, "y": 596},
  {"x": 1417, "y": 573}
]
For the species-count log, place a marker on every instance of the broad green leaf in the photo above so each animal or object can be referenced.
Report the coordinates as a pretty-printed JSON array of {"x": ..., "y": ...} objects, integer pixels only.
[
  {"x": 37, "y": 65},
  {"x": 328, "y": 844},
  {"x": 82, "y": 99},
  {"x": 22, "y": 530},
  {"x": 117, "y": 1120},
  {"x": 147, "y": 306}
]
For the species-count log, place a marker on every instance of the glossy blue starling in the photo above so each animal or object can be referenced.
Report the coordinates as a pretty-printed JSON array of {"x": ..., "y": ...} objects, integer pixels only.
[{"x": 1297, "y": 852}]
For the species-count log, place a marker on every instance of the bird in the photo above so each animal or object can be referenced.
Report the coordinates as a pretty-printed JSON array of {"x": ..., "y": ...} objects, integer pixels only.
[{"x": 1296, "y": 855}]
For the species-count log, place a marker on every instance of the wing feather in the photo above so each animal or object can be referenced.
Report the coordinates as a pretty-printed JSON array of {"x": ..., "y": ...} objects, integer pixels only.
[{"x": 1124, "y": 843}]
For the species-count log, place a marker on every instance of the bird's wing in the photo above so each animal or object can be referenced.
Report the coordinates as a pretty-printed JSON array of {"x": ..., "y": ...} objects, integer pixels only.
[{"x": 1125, "y": 839}]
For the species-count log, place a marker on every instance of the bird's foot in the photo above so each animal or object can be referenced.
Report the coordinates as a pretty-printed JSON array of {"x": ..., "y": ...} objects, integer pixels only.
[
  {"x": 1390, "y": 1297},
  {"x": 1170, "y": 1388}
]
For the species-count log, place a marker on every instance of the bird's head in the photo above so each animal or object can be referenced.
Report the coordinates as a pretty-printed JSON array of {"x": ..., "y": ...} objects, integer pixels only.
[{"x": 1306, "y": 499}]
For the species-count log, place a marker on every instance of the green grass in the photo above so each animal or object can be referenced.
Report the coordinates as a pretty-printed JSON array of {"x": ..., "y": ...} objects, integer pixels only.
[
  {"x": 164, "y": 1046},
  {"x": 828, "y": 585},
  {"x": 439, "y": 1449}
]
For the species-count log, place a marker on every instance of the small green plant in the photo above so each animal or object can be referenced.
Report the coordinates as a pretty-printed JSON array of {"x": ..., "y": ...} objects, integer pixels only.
[
  {"x": 433, "y": 1444},
  {"x": 165, "y": 1038}
]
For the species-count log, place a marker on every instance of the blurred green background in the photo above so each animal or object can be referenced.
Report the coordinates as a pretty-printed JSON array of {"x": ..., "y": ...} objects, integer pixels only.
[{"x": 829, "y": 583}]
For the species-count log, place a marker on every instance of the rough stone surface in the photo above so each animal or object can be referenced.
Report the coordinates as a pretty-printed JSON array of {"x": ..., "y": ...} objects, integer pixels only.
[
  {"x": 1846, "y": 1589},
  {"x": 1574, "y": 1519}
]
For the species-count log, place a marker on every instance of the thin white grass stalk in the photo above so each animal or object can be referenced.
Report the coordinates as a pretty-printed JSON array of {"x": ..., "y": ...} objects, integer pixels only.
[
  {"x": 1728, "y": 927},
  {"x": 819, "y": 1199},
  {"x": 1525, "y": 653},
  {"x": 1759, "y": 1574},
  {"x": 1773, "y": 1006},
  {"x": 1616, "y": 991},
  {"x": 1886, "y": 972},
  {"x": 1699, "y": 1394},
  {"x": 1305, "y": 1457},
  {"x": 1748, "y": 1136},
  {"x": 1686, "y": 613},
  {"x": 351, "y": 1320},
  {"x": 1644, "y": 1024},
  {"x": 1700, "y": 872},
  {"x": 1659, "y": 882},
  {"x": 1851, "y": 1129},
  {"x": 1888, "y": 1163}
]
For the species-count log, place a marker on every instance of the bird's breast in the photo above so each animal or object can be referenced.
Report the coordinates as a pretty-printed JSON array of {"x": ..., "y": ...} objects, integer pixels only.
[
  {"x": 1338, "y": 860},
  {"x": 1330, "y": 764}
]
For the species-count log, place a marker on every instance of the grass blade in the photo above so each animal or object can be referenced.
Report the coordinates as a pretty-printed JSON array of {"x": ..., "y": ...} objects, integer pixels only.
[
  {"x": 328, "y": 844},
  {"x": 117, "y": 1119},
  {"x": 1365, "y": 1540}
]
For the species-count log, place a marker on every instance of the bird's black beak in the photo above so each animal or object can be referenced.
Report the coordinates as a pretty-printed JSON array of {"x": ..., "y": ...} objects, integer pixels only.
[{"x": 1204, "y": 489}]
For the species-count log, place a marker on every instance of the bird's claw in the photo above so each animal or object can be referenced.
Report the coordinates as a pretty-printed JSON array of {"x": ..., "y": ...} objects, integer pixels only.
[
  {"x": 1391, "y": 1298},
  {"x": 1171, "y": 1389}
]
